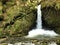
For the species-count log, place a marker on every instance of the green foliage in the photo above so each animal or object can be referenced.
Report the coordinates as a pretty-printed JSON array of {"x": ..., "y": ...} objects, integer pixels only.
[
  {"x": 1, "y": 8},
  {"x": 57, "y": 6},
  {"x": 18, "y": 16},
  {"x": 51, "y": 3}
]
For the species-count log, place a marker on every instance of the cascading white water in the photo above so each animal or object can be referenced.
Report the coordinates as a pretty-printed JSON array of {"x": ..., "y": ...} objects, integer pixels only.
[
  {"x": 53, "y": 43},
  {"x": 39, "y": 30},
  {"x": 39, "y": 19}
]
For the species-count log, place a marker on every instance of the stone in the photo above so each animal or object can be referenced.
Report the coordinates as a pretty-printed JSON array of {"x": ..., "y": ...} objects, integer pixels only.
[{"x": 51, "y": 14}]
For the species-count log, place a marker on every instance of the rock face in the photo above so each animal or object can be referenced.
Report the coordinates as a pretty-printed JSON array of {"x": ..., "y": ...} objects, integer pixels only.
[
  {"x": 17, "y": 17},
  {"x": 51, "y": 14}
]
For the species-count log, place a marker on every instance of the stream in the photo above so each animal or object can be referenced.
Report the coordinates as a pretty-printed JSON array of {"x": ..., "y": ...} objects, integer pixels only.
[
  {"x": 39, "y": 33},
  {"x": 37, "y": 36}
]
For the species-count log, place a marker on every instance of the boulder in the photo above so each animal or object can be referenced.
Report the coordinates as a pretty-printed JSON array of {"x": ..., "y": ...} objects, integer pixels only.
[
  {"x": 18, "y": 17},
  {"x": 51, "y": 14}
]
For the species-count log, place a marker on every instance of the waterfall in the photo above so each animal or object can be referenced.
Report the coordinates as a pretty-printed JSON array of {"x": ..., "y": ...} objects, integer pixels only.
[
  {"x": 39, "y": 19},
  {"x": 39, "y": 30}
]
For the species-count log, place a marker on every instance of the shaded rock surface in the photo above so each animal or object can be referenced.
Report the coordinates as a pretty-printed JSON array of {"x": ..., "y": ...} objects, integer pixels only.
[{"x": 51, "y": 14}]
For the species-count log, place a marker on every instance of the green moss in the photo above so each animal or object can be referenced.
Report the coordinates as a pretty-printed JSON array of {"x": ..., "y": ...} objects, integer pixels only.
[
  {"x": 11, "y": 12},
  {"x": 1, "y": 8},
  {"x": 22, "y": 25},
  {"x": 51, "y": 3},
  {"x": 17, "y": 17},
  {"x": 51, "y": 15},
  {"x": 57, "y": 6}
]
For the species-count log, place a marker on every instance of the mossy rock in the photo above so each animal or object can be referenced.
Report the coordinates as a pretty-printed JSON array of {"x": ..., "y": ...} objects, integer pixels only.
[
  {"x": 17, "y": 17},
  {"x": 51, "y": 3},
  {"x": 51, "y": 15},
  {"x": 4, "y": 44}
]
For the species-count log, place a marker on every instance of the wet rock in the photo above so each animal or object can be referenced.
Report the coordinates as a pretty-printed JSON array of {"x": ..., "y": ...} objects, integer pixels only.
[{"x": 51, "y": 14}]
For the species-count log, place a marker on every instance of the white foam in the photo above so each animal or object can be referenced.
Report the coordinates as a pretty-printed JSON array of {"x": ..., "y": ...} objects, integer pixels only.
[
  {"x": 36, "y": 32},
  {"x": 53, "y": 43},
  {"x": 10, "y": 44},
  {"x": 20, "y": 43}
]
